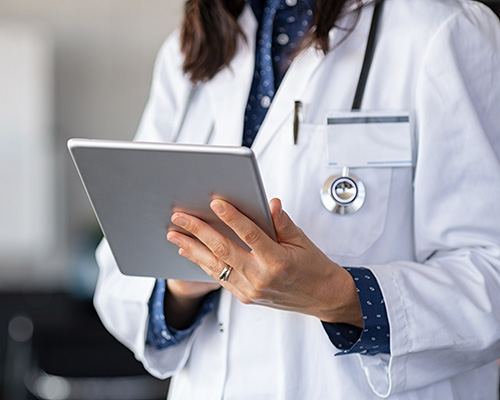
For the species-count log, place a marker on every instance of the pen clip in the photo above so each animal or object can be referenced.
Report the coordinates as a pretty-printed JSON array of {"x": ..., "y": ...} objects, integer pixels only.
[{"x": 297, "y": 119}]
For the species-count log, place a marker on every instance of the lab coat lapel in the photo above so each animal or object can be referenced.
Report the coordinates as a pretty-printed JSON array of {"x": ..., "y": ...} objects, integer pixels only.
[
  {"x": 229, "y": 89},
  {"x": 292, "y": 88}
]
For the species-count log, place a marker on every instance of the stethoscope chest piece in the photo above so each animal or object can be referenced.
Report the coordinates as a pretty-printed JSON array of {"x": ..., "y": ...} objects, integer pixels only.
[{"x": 343, "y": 194}]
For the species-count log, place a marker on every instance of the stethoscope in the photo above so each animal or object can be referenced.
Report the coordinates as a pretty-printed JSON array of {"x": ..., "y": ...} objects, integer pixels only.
[
  {"x": 345, "y": 194},
  {"x": 342, "y": 194}
]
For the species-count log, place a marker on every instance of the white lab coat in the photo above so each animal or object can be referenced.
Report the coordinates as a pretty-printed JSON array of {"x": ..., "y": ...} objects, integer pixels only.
[{"x": 430, "y": 234}]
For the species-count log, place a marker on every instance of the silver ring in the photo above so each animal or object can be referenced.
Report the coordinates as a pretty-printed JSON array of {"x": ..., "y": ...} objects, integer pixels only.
[{"x": 224, "y": 275}]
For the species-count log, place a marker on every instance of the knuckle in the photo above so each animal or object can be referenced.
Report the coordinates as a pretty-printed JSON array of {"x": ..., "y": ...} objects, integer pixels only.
[
  {"x": 253, "y": 295},
  {"x": 251, "y": 237},
  {"x": 230, "y": 218},
  {"x": 259, "y": 287},
  {"x": 280, "y": 267},
  {"x": 193, "y": 228},
  {"x": 278, "y": 264},
  {"x": 213, "y": 266},
  {"x": 245, "y": 300},
  {"x": 221, "y": 250}
]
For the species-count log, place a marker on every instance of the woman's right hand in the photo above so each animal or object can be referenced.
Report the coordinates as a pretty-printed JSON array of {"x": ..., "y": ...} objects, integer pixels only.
[{"x": 182, "y": 300}]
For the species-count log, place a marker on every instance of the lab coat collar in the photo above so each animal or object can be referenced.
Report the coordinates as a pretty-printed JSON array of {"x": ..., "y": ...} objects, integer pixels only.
[{"x": 228, "y": 90}]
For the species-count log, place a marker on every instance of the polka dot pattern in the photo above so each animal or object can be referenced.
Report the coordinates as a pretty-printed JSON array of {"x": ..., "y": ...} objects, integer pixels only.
[
  {"x": 374, "y": 337},
  {"x": 283, "y": 23},
  {"x": 159, "y": 334}
]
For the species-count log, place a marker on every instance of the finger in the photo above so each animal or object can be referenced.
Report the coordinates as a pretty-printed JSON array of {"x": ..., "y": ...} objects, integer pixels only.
[
  {"x": 245, "y": 228},
  {"x": 221, "y": 247},
  {"x": 189, "y": 248},
  {"x": 197, "y": 252},
  {"x": 286, "y": 230}
]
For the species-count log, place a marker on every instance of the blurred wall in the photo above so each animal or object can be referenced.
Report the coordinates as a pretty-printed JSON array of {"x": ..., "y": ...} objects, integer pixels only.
[{"x": 102, "y": 59}]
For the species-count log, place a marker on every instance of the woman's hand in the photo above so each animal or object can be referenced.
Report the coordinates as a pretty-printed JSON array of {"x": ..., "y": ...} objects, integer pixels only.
[{"x": 291, "y": 274}]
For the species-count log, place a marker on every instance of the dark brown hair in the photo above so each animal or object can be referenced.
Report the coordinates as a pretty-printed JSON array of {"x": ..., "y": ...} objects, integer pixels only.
[{"x": 210, "y": 33}]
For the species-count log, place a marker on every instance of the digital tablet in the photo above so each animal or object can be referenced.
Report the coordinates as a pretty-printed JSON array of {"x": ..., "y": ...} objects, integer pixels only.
[{"x": 135, "y": 187}]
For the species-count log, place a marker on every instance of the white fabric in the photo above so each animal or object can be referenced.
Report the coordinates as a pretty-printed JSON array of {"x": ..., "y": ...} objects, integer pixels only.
[{"x": 430, "y": 233}]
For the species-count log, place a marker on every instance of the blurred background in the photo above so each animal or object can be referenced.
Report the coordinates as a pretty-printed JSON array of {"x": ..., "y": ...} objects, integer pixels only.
[{"x": 67, "y": 69}]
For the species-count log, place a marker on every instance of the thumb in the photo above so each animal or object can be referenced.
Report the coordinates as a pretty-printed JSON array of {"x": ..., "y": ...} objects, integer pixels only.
[{"x": 286, "y": 230}]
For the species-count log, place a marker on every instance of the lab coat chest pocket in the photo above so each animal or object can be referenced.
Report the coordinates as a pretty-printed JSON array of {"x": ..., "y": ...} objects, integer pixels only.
[
  {"x": 296, "y": 174},
  {"x": 354, "y": 234}
]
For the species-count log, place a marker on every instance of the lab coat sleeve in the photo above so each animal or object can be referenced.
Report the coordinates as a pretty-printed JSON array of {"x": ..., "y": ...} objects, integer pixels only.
[
  {"x": 444, "y": 309},
  {"x": 122, "y": 301},
  {"x": 122, "y": 304}
]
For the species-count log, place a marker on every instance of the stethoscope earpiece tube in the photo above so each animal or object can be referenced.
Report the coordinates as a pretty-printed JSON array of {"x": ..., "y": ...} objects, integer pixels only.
[{"x": 367, "y": 61}]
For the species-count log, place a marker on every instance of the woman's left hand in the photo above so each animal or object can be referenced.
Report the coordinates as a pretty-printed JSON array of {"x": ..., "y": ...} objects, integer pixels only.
[{"x": 291, "y": 274}]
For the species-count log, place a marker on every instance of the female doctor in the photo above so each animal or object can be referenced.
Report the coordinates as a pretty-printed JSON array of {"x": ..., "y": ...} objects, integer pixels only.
[{"x": 391, "y": 286}]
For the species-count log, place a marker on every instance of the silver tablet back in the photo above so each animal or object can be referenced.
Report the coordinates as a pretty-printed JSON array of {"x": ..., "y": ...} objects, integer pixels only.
[{"x": 134, "y": 187}]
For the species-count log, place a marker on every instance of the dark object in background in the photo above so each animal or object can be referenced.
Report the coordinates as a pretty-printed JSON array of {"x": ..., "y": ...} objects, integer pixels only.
[
  {"x": 55, "y": 347},
  {"x": 494, "y": 5}
]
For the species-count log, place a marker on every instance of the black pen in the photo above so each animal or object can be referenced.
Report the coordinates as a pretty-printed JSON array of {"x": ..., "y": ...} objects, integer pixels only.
[{"x": 297, "y": 118}]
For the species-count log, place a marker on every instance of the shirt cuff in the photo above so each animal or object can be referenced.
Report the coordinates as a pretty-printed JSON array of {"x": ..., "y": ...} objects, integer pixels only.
[
  {"x": 159, "y": 334},
  {"x": 374, "y": 337}
]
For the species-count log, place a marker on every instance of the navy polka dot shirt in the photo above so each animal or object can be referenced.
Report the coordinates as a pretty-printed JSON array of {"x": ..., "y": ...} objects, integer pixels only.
[
  {"x": 282, "y": 24},
  {"x": 159, "y": 334},
  {"x": 374, "y": 337}
]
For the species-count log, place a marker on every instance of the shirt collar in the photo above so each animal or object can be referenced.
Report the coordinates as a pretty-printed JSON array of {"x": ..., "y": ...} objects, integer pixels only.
[{"x": 258, "y": 5}]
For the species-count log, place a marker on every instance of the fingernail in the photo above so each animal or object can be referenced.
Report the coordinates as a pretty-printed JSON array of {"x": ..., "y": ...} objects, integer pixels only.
[
  {"x": 174, "y": 240},
  {"x": 279, "y": 211},
  {"x": 179, "y": 221},
  {"x": 218, "y": 208}
]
